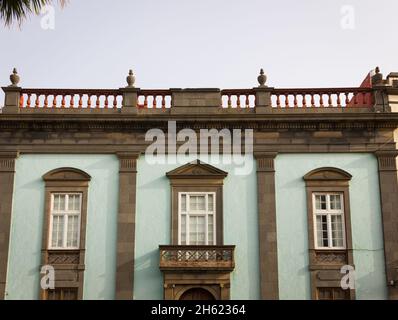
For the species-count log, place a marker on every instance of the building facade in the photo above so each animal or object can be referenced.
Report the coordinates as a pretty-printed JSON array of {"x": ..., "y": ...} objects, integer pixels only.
[{"x": 261, "y": 193}]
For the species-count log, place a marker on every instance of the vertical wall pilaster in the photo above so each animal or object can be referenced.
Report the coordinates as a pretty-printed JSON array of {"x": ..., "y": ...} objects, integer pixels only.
[
  {"x": 7, "y": 172},
  {"x": 388, "y": 179},
  {"x": 126, "y": 226},
  {"x": 267, "y": 225}
]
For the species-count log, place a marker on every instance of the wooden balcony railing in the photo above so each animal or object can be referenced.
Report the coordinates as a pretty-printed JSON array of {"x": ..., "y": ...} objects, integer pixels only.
[{"x": 197, "y": 258}]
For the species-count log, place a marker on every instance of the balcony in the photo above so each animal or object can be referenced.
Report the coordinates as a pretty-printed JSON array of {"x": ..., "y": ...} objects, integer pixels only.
[{"x": 196, "y": 258}]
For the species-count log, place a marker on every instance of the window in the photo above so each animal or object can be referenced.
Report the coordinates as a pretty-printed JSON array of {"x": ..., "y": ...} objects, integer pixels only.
[
  {"x": 329, "y": 220},
  {"x": 64, "y": 231},
  {"x": 333, "y": 294},
  {"x": 329, "y": 231},
  {"x": 65, "y": 220},
  {"x": 62, "y": 294},
  {"x": 197, "y": 224}
]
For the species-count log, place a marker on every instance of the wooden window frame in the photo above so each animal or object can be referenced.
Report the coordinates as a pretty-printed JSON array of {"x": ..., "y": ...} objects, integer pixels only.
[
  {"x": 68, "y": 263},
  {"x": 328, "y": 213},
  {"x": 332, "y": 291},
  {"x": 66, "y": 214},
  {"x": 206, "y": 214}
]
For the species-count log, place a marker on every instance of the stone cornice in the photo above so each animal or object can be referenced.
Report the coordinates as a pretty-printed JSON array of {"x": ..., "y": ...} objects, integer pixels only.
[{"x": 313, "y": 121}]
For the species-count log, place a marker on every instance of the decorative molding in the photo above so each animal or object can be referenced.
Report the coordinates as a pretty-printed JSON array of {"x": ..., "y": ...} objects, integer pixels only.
[
  {"x": 127, "y": 161},
  {"x": 196, "y": 170},
  {"x": 327, "y": 174},
  {"x": 7, "y": 161},
  {"x": 125, "y": 122},
  {"x": 55, "y": 257},
  {"x": 326, "y": 257},
  {"x": 66, "y": 174},
  {"x": 387, "y": 160},
  {"x": 265, "y": 161}
]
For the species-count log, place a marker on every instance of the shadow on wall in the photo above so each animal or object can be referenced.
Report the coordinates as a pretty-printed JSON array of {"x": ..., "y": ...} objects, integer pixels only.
[
  {"x": 368, "y": 285},
  {"x": 148, "y": 276}
]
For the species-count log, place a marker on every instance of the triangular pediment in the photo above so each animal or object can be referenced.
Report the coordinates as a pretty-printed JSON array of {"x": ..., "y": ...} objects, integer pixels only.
[{"x": 196, "y": 169}]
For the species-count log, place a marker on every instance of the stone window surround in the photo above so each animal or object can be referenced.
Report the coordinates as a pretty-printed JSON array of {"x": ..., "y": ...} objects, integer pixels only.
[
  {"x": 209, "y": 180},
  {"x": 196, "y": 176},
  {"x": 326, "y": 273},
  {"x": 68, "y": 262}
]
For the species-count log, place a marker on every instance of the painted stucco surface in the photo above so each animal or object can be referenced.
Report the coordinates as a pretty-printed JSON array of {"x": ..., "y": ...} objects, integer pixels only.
[
  {"x": 154, "y": 219},
  {"x": 153, "y": 224},
  {"x": 294, "y": 280},
  {"x": 27, "y": 223}
]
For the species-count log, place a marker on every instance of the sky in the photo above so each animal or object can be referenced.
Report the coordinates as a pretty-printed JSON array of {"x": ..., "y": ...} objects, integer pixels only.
[{"x": 206, "y": 43}]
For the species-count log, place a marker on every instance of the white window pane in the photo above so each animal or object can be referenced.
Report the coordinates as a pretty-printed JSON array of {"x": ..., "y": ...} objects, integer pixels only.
[
  {"x": 193, "y": 234},
  {"x": 210, "y": 202},
  {"x": 335, "y": 202},
  {"x": 62, "y": 202},
  {"x": 210, "y": 230},
  {"x": 72, "y": 232},
  {"x": 197, "y": 203},
  {"x": 56, "y": 202},
  {"x": 320, "y": 202},
  {"x": 197, "y": 230},
  {"x": 201, "y": 230},
  {"x": 322, "y": 231},
  {"x": 192, "y": 203},
  {"x": 337, "y": 230},
  {"x": 183, "y": 202},
  {"x": 197, "y": 219},
  {"x": 59, "y": 202},
  {"x": 183, "y": 235},
  {"x": 201, "y": 203},
  {"x": 74, "y": 202},
  {"x": 57, "y": 232}
]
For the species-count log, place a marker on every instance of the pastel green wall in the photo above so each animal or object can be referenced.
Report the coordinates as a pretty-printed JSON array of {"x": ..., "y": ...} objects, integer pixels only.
[
  {"x": 291, "y": 207},
  {"x": 153, "y": 223},
  {"x": 27, "y": 223}
]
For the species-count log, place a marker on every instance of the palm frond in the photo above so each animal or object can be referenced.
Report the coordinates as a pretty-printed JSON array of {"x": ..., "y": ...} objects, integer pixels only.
[{"x": 17, "y": 10}]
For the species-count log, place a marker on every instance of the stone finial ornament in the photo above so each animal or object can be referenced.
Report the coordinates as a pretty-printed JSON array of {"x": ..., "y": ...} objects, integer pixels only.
[
  {"x": 130, "y": 79},
  {"x": 14, "y": 78},
  {"x": 262, "y": 79},
  {"x": 377, "y": 78}
]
